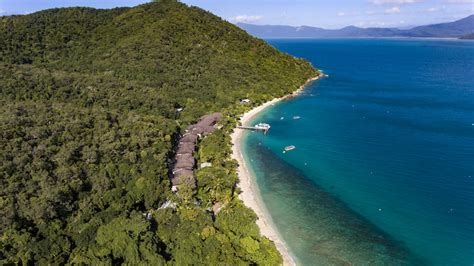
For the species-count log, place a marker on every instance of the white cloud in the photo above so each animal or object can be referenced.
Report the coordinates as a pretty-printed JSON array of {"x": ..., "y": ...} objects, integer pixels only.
[
  {"x": 391, "y": 2},
  {"x": 246, "y": 18},
  {"x": 392, "y": 10},
  {"x": 436, "y": 9},
  {"x": 2, "y": 11},
  {"x": 365, "y": 24},
  {"x": 459, "y": 2},
  {"x": 341, "y": 14}
]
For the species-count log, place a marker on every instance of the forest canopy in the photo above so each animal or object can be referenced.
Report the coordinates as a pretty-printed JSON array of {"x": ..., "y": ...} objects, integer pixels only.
[{"x": 89, "y": 124}]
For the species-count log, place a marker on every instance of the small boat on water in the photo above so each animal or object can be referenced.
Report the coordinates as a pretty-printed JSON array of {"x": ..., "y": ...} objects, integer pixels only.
[
  {"x": 296, "y": 117},
  {"x": 262, "y": 126},
  {"x": 289, "y": 148}
]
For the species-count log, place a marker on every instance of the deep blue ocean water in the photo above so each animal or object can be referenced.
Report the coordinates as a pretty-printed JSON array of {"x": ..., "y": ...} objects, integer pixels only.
[{"x": 383, "y": 170}]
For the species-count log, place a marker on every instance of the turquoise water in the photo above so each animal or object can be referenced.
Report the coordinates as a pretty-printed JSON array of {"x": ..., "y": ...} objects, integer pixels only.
[{"x": 383, "y": 170}]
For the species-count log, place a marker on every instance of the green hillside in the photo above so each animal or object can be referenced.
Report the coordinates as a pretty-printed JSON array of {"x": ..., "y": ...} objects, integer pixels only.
[{"x": 89, "y": 122}]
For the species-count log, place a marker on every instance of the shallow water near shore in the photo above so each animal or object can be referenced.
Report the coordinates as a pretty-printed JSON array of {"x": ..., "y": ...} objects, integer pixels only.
[{"x": 383, "y": 170}]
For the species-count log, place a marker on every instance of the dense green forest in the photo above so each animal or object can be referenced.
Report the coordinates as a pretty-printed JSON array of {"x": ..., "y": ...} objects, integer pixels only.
[{"x": 88, "y": 126}]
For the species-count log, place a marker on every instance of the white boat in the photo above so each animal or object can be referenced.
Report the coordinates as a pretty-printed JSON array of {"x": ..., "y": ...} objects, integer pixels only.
[
  {"x": 289, "y": 148},
  {"x": 296, "y": 117},
  {"x": 262, "y": 126}
]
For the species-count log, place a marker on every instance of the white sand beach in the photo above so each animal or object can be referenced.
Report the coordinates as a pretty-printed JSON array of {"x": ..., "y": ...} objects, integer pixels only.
[{"x": 250, "y": 193}]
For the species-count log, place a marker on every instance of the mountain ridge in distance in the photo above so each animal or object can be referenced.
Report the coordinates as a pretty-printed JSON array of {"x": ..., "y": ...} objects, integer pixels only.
[
  {"x": 468, "y": 37},
  {"x": 453, "y": 29}
]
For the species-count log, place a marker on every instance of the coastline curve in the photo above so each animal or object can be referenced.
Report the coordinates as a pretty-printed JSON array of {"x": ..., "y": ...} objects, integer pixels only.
[{"x": 250, "y": 193}]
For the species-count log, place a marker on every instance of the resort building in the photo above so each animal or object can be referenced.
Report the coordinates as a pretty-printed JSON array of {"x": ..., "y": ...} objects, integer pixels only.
[{"x": 184, "y": 162}]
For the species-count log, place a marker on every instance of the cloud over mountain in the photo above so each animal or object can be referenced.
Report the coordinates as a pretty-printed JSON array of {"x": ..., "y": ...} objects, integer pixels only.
[{"x": 246, "y": 18}]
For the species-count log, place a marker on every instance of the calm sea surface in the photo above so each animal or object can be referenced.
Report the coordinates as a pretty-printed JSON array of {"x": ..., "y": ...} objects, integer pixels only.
[{"x": 383, "y": 170}]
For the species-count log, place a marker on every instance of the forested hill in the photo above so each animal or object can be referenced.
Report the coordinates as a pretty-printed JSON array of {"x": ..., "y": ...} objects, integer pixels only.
[{"x": 89, "y": 121}]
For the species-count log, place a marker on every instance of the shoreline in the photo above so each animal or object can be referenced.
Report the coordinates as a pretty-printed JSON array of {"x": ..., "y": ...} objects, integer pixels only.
[{"x": 250, "y": 192}]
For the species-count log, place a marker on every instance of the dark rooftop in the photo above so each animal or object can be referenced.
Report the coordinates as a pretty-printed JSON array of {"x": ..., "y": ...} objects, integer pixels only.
[{"x": 184, "y": 160}]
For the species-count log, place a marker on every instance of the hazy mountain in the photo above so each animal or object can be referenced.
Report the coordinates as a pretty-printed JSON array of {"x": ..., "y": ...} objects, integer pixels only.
[
  {"x": 468, "y": 37},
  {"x": 450, "y": 29}
]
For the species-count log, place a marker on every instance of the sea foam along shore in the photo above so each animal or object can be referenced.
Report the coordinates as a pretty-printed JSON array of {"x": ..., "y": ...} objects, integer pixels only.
[{"x": 250, "y": 193}]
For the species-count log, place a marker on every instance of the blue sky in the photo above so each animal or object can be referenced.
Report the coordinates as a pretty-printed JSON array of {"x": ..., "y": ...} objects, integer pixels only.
[{"x": 327, "y": 14}]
